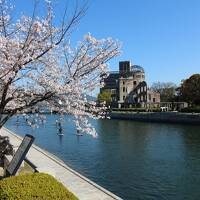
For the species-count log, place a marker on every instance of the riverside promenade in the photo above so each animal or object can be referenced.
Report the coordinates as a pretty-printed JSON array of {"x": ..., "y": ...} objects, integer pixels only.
[{"x": 81, "y": 186}]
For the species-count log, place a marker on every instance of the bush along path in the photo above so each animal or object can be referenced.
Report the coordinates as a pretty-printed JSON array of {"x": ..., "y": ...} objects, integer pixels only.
[{"x": 38, "y": 186}]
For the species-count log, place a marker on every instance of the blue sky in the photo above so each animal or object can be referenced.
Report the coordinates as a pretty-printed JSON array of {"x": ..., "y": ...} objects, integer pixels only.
[{"x": 163, "y": 36}]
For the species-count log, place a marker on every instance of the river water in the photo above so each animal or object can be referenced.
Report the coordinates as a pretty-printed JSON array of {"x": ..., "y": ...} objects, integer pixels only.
[{"x": 135, "y": 160}]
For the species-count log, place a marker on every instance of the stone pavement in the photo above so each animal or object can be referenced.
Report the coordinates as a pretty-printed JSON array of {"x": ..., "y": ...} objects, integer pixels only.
[{"x": 82, "y": 187}]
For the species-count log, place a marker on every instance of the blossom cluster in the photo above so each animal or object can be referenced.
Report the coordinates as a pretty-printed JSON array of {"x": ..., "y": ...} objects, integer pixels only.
[{"x": 39, "y": 70}]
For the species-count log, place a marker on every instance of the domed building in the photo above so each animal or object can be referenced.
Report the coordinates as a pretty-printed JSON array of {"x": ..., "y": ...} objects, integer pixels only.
[{"x": 128, "y": 86}]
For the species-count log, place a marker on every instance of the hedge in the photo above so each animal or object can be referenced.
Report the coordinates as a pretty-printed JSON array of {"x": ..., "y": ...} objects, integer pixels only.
[
  {"x": 136, "y": 109},
  {"x": 37, "y": 186},
  {"x": 191, "y": 110}
]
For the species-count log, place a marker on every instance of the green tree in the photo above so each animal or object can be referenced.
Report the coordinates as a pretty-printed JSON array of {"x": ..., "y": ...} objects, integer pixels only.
[
  {"x": 104, "y": 96},
  {"x": 190, "y": 90},
  {"x": 167, "y": 90}
]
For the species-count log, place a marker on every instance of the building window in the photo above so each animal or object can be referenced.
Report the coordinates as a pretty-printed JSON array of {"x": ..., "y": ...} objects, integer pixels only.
[
  {"x": 142, "y": 88},
  {"x": 138, "y": 91},
  {"x": 134, "y": 82},
  {"x": 154, "y": 100},
  {"x": 113, "y": 91},
  {"x": 141, "y": 98},
  {"x": 145, "y": 88},
  {"x": 123, "y": 97},
  {"x": 123, "y": 89},
  {"x": 149, "y": 97},
  {"x": 123, "y": 82}
]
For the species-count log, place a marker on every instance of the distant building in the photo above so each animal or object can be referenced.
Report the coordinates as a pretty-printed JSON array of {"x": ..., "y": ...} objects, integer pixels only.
[{"x": 128, "y": 87}]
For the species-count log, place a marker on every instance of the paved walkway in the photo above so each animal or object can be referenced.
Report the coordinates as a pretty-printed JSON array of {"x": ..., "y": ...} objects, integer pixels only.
[{"x": 82, "y": 187}]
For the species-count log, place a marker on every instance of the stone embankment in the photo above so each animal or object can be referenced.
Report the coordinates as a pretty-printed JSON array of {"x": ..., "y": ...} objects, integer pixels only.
[{"x": 168, "y": 117}]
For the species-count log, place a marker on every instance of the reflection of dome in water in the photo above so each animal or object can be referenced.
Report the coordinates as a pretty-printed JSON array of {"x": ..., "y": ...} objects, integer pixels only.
[{"x": 137, "y": 68}]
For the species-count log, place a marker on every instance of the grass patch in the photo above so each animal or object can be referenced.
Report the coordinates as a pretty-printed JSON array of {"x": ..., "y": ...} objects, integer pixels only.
[{"x": 36, "y": 186}]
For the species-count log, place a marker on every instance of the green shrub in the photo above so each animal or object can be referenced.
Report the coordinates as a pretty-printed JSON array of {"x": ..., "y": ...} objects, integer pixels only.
[
  {"x": 129, "y": 109},
  {"x": 37, "y": 186},
  {"x": 154, "y": 110},
  {"x": 191, "y": 109},
  {"x": 136, "y": 109}
]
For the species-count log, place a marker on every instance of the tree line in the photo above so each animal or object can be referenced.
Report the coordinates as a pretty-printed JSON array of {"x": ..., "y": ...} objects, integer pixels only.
[{"x": 188, "y": 91}]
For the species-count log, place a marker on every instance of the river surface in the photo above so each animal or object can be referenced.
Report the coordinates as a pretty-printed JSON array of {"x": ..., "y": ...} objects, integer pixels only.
[{"x": 135, "y": 160}]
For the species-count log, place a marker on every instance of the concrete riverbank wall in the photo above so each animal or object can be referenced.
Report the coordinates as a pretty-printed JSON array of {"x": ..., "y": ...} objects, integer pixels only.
[{"x": 168, "y": 117}]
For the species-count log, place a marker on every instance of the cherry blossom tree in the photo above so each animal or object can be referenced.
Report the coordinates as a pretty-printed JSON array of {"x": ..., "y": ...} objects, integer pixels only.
[{"x": 40, "y": 70}]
